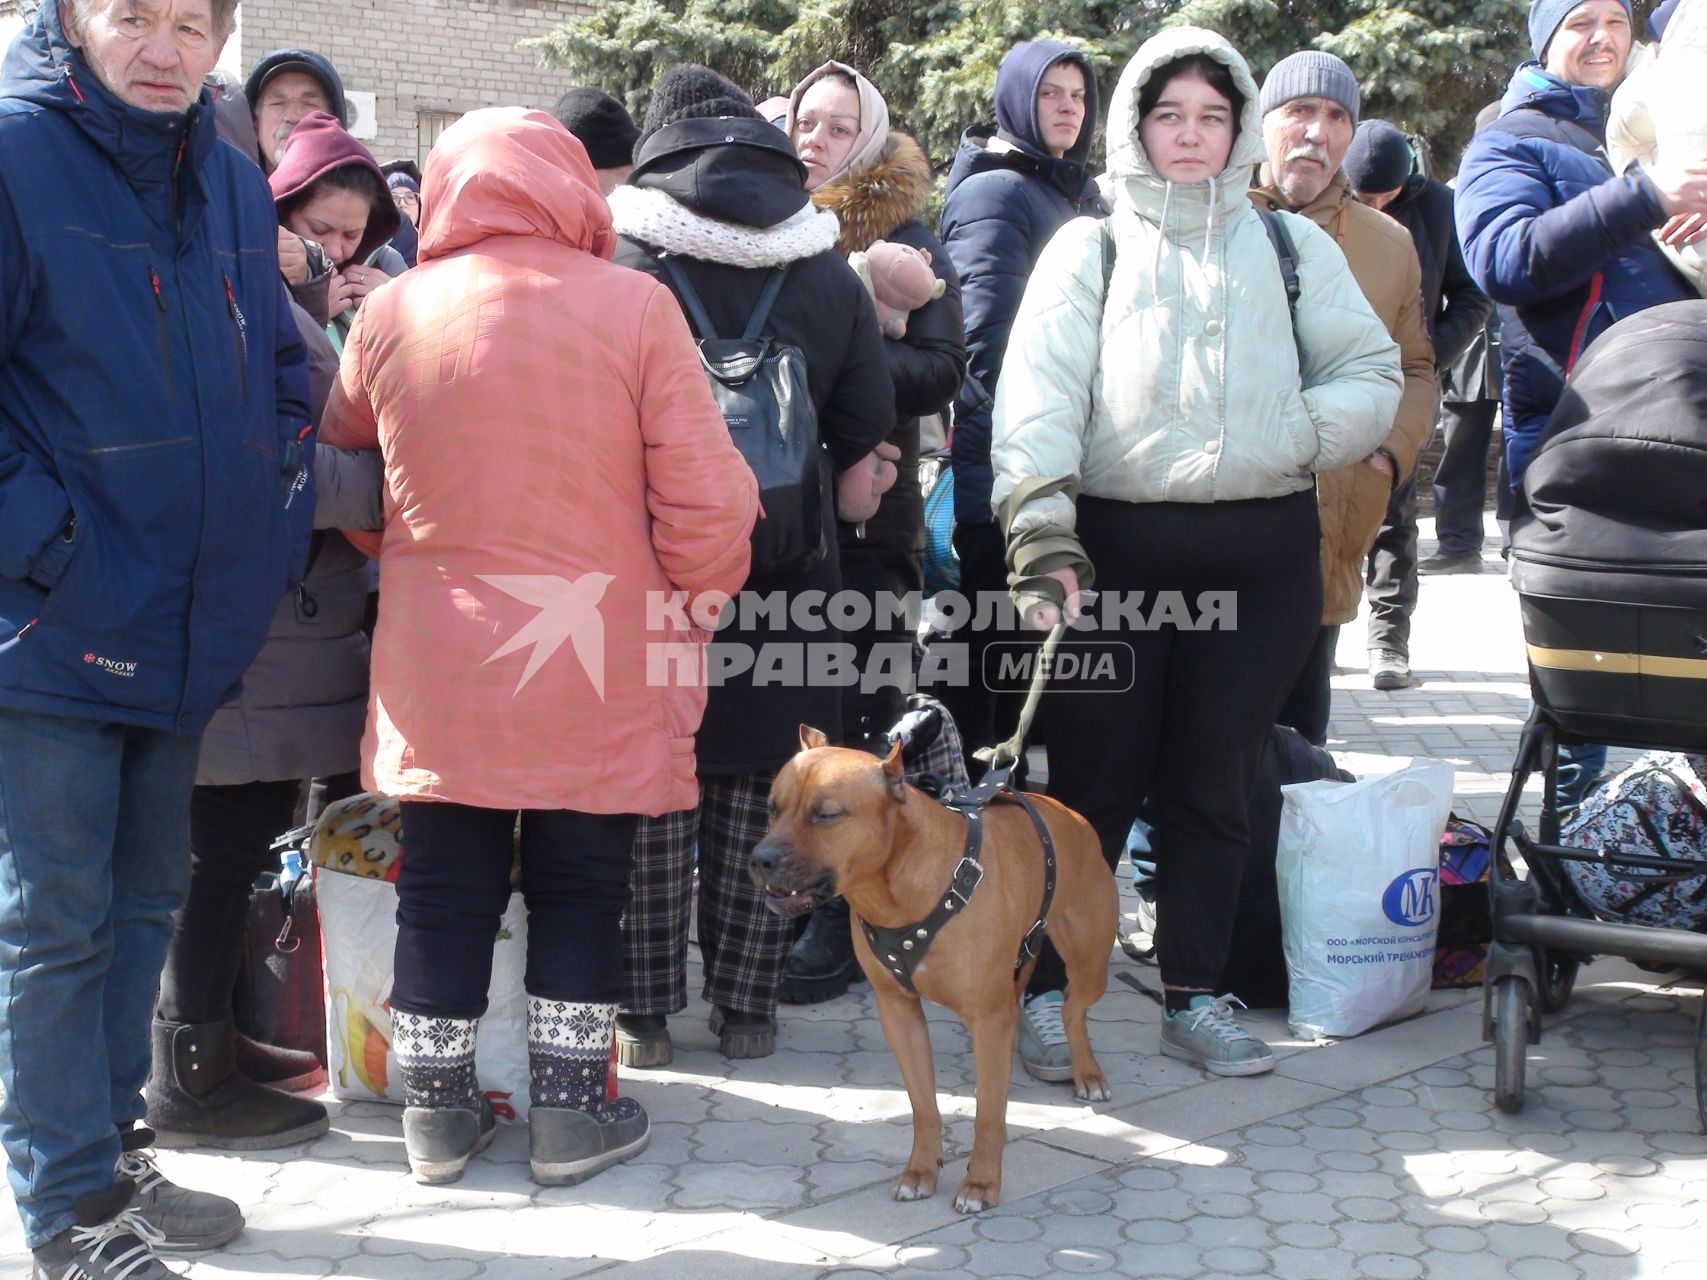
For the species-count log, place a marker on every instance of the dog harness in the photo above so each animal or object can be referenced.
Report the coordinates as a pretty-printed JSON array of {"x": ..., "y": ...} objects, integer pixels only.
[{"x": 902, "y": 950}]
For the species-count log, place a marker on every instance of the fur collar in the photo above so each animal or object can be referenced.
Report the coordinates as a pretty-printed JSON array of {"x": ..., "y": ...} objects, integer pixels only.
[
  {"x": 881, "y": 197},
  {"x": 664, "y": 223}
]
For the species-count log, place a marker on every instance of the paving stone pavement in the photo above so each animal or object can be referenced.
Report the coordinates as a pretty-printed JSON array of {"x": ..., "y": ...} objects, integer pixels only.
[{"x": 1378, "y": 1158}]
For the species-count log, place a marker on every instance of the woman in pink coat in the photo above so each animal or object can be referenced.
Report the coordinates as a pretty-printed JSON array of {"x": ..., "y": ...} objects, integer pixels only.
[{"x": 560, "y": 488}]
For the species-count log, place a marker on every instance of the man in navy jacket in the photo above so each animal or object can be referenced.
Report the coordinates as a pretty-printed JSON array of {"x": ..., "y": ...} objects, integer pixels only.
[
  {"x": 1011, "y": 188},
  {"x": 154, "y": 506},
  {"x": 1552, "y": 235},
  {"x": 1563, "y": 245}
]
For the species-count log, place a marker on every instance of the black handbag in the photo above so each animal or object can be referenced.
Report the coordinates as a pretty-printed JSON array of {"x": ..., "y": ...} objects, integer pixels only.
[
  {"x": 280, "y": 997},
  {"x": 760, "y": 388}
]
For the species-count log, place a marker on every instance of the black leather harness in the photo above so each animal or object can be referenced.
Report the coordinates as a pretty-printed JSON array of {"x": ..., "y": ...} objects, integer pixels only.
[{"x": 902, "y": 950}]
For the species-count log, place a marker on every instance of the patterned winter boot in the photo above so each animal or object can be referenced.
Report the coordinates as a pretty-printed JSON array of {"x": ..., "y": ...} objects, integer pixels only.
[
  {"x": 575, "y": 1126},
  {"x": 445, "y": 1120}
]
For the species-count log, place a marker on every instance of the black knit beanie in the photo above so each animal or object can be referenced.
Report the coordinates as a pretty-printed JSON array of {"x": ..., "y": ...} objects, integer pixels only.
[
  {"x": 1379, "y": 158},
  {"x": 688, "y": 91},
  {"x": 601, "y": 123}
]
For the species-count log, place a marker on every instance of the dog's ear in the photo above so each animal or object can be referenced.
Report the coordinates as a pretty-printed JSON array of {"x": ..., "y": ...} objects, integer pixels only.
[
  {"x": 810, "y": 738},
  {"x": 895, "y": 774}
]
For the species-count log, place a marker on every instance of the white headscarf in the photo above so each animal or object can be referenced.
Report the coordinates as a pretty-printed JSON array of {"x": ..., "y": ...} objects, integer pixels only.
[{"x": 873, "y": 116}]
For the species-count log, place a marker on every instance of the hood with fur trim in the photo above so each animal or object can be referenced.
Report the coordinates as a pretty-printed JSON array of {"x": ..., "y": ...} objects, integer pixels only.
[{"x": 873, "y": 202}]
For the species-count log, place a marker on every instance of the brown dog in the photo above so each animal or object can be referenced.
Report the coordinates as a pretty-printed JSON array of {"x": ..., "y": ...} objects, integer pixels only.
[{"x": 844, "y": 822}]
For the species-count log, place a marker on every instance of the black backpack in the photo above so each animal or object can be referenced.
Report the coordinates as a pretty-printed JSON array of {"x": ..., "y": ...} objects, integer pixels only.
[{"x": 760, "y": 387}]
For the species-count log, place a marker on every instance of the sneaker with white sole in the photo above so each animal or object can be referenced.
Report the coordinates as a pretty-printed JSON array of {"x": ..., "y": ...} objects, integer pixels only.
[
  {"x": 1043, "y": 1040},
  {"x": 121, "y": 1248},
  {"x": 185, "y": 1220},
  {"x": 1209, "y": 1035}
]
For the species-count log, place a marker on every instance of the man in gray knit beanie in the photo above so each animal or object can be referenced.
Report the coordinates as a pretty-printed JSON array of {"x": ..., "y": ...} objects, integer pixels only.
[
  {"x": 1309, "y": 110},
  {"x": 1310, "y": 103}
]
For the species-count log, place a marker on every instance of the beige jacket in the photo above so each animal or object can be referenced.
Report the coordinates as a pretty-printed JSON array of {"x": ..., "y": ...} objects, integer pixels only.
[{"x": 1353, "y": 499}]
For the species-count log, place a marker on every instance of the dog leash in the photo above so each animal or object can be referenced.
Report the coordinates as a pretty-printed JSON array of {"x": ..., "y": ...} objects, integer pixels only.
[{"x": 1004, "y": 755}]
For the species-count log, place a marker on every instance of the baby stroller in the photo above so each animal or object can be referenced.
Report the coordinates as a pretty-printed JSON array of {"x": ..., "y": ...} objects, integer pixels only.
[{"x": 1610, "y": 564}]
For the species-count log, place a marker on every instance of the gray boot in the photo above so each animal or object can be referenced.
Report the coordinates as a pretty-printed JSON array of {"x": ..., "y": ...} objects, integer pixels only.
[
  {"x": 575, "y": 1128},
  {"x": 445, "y": 1119}
]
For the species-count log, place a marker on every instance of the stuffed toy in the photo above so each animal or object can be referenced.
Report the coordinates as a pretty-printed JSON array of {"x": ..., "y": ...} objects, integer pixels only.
[
  {"x": 1660, "y": 112},
  {"x": 900, "y": 280}
]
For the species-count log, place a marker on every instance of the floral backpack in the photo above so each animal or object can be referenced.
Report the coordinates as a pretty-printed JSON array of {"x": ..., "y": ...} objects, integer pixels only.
[{"x": 1658, "y": 808}]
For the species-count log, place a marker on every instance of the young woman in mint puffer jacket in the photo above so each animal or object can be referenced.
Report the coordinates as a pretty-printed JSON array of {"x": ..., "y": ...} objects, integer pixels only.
[{"x": 1164, "y": 439}]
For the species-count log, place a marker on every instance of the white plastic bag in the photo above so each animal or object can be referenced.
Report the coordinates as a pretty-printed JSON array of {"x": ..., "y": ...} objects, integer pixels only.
[
  {"x": 1359, "y": 871},
  {"x": 358, "y": 925}
]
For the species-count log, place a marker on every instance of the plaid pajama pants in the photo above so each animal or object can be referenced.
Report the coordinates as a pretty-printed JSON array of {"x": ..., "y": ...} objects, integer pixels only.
[{"x": 743, "y": 942}]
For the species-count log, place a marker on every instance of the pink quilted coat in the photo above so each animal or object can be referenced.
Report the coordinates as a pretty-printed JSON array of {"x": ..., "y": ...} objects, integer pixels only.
[{"x": 553, "y": 457}]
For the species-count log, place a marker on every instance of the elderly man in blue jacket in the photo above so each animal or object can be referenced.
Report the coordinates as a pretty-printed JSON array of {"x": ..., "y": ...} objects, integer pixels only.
[
  {"x": 1562, "y": 244},
  {"x": 154, "y": 506}
]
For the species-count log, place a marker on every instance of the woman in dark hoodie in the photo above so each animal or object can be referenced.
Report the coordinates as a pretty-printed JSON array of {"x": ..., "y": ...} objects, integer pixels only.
[
  {"x": 723, "y": 194},
  {"x": 1013, "y": 185},
  {"x": 877, "y": 182},
  {"x": 328, "y": 189}
]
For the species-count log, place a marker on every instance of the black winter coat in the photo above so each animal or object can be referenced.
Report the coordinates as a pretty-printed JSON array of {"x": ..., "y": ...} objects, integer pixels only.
[
  {"x": 885, "y": 201},
  {"x": 728, "y": 211},
  {"x": 1004, "y": 203},
  {"x": 1455, "y": 307}
]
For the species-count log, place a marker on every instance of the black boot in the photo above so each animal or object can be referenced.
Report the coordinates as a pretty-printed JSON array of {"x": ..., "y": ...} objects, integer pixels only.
[
  {"x": 822, "y": 962},
  {"x": 197, "y": 1098},
  {"x": 292, "y": 1070},
  {"x": 643, "y": 1040}
]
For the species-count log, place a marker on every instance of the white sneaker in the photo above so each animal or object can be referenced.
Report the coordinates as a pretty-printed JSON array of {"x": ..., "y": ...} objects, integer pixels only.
[
  {"x": 1043, "y": 1040},
  {"x": 1208, "y": 1035}
]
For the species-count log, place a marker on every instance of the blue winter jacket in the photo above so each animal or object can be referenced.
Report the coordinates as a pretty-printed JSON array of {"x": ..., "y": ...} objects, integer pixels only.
[
  {"x": 1006, "y": 197},
  {"x": 155, "y": 491},
  {"x": 1557, "y": 240}
]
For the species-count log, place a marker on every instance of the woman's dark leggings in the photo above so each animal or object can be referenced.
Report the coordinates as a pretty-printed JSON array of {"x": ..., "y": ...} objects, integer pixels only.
[
  {"x": 454, "y": 886},
  {"x": 1186, "y": 714},
  {"x": 232, "y": 830}
]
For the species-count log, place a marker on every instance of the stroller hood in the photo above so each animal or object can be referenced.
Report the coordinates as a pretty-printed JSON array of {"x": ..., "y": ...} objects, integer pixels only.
[{"x": 1616, "y": 495}]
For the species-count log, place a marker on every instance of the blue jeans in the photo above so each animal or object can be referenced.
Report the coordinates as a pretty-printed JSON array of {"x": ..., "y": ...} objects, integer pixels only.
[
  {"x": 94, "y": 858},
  {"x": 1580, "y": 768}
]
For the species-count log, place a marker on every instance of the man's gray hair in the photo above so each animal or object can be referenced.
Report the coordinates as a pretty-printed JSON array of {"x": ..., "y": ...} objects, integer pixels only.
[{"x": 224, "y": 13}]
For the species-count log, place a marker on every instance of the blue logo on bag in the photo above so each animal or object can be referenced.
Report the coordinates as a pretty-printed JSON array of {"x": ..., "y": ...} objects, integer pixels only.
[{"x": 1410, "y": 900}]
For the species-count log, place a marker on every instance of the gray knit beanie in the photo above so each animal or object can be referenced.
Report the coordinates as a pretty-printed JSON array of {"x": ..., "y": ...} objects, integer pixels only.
[
  {"x": 1545, "y": 17},
  {"x": 1310, "y": 73}
]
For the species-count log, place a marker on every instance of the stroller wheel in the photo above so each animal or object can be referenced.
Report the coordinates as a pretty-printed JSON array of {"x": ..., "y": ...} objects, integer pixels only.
[
  {"x": 1511, "y": 1041},
  {"x": 1558, "y": 978}
]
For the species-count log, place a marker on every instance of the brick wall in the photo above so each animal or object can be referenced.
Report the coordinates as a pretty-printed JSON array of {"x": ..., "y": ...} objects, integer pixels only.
[{"x": 425, "y": 61}]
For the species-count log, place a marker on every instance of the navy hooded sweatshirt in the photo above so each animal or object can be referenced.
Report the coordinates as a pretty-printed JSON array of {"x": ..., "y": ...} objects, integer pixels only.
[
  {"x": 1007, "y": 195},
  {"x": 155, "y": 499}
]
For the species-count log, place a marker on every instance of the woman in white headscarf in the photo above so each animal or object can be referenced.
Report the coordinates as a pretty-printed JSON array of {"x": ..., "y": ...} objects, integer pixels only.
[{"x": 877, "y": 182}]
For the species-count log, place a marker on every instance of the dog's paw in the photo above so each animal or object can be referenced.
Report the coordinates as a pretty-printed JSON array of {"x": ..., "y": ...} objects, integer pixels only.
[
  {"x": 915, "y": 1186},
  {"x": 975, "y": 1197},
  {"x": 1092, "y": 1090}
]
